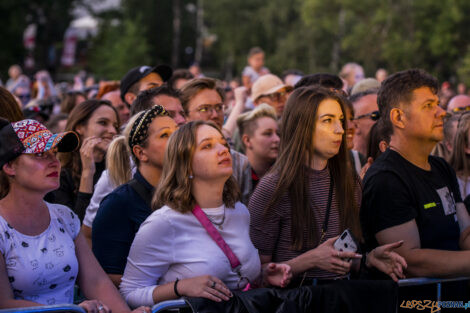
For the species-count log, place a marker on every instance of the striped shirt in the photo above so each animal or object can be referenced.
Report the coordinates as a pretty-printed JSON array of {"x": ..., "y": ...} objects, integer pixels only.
[{"x": 271, "y": 234}]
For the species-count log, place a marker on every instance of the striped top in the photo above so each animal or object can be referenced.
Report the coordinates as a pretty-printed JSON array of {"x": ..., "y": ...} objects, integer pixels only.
[{"x": 271, "y": 235}]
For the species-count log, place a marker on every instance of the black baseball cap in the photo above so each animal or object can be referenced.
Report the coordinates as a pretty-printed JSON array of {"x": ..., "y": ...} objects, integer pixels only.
[{"x": 139, "y": 72}]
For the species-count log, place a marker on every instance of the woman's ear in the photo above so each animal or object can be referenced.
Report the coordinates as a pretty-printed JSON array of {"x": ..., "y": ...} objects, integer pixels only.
[
  {"x": 80, "y": 129},
  {"x": 140, "y": 153},
  {"x": 9, "y": 169},
  {"x": 246, "y": 141},
  {"x": 383, "y": 145}
]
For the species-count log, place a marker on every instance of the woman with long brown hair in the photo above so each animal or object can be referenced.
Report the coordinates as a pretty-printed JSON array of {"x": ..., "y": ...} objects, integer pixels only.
[
  {"x": 9, "y": 107},
  {"x": 312, "y": 194},
  {"x": 196, "y": 242},
  {"x": 96, "y": 122},
  {"x": 459, "y": 158}
]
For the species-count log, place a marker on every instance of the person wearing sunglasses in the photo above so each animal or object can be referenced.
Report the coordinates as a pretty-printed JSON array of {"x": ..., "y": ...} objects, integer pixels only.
[
  {"x": 271, "y": 90},
  {"x": 365, "y": 115},
  {"x": 458, "y": 104}
]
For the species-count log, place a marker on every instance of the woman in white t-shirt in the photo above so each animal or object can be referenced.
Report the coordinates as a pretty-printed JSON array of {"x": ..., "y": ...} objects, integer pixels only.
[
  {"x": 173, "y": 253},
  {"x": 42, "y": 252}
]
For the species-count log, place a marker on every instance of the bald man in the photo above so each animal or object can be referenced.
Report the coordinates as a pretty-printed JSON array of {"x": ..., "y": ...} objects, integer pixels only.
[{"x": 458, "y": 103}]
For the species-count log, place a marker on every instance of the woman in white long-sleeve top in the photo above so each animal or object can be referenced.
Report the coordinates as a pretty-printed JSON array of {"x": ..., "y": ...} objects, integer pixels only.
[{"x": 175, "y": 252}]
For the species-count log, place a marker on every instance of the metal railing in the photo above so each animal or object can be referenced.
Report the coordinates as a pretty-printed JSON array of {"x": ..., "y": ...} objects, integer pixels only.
[
  {"x": 169, "y": 305},
  {"x": 420, "y": 281},
  {"x": 59, "y": 308}
]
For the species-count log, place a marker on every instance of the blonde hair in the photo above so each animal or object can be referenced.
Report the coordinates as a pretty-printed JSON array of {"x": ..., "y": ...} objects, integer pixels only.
[
  {"x": 459, "y": 159},
  {"x": 246, "y": 122},
  {"x": 118, "y": 156},
  {"x": 174, "y": 188}
]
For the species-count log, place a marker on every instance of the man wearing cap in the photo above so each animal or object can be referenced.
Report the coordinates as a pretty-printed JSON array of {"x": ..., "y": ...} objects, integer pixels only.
[
  {"x": 143, "y": 78},
  {"x": 271, "y": 90}
]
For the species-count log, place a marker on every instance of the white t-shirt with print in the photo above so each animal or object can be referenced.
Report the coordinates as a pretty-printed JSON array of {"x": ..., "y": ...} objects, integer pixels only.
[{"x": 43, "y": 268}]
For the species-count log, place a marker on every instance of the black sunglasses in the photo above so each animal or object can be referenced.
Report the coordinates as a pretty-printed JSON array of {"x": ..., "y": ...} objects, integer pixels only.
[{"x": 375, "y": 115}]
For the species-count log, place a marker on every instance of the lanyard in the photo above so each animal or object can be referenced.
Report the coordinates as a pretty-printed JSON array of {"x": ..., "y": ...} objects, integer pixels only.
[
  {"x": 215, "y": 235},
  {"x": 328, "y": 209}
]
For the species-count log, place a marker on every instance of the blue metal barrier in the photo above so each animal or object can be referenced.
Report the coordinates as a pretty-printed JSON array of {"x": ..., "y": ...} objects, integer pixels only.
[
  {"x": 421, "y": 281},
  {"x": 169, "y": 305},
  {"x": 58, "y": 308}
]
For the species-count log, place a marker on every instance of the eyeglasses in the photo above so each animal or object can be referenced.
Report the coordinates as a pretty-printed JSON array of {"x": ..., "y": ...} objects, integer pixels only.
[
  {"x": 461, "y": 109},
  {"x": 208, "y": 108},
  {"x": 375, "y": 115},
  {"x": 277, "y": 96}
]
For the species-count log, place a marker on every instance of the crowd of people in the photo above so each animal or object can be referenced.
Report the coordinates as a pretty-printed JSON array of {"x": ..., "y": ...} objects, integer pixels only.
[{"x": 169, "y": 183}]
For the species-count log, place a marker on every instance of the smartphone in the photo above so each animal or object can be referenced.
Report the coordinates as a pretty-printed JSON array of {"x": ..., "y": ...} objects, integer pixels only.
[{"x": 346, "y": 242}]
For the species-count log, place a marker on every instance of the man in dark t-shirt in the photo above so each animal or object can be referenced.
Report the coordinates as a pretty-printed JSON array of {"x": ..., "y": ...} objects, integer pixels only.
[{"x": 409, "y": 195}]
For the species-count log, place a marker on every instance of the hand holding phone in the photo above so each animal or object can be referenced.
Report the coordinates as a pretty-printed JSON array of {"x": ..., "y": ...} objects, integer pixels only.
[{"x": 346, "y": 242}]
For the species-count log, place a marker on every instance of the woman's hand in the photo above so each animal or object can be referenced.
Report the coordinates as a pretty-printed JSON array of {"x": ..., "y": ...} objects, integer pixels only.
[
  {"x": 277, "y": 274},
  {"x": 206, "y": 286},
  {"x": 95, "y": 306},
  {"x": 87, "y": 156},
  {"x": 386, "y": 260},
  {"x": 327, "y": 258}
]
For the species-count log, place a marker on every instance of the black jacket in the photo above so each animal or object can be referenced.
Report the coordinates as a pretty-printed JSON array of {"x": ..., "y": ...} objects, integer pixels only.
[{"x": 338, "y": 297}]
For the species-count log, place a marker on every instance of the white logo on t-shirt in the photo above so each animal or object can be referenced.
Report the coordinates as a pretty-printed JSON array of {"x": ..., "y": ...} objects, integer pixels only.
[{"x": 447, "y": 199}]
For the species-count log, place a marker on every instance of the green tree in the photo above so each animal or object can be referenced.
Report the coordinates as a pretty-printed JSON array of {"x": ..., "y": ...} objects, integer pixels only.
[
  {"x": 52, "y": 19},
  {"x": 118, "y": 48}
]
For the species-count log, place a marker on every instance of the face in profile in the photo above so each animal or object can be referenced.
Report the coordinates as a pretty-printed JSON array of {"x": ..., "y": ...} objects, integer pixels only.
[
  {"x": 424, "y": 118},
  {"x": 211, "y": 159},
  {"x": 102, "y": 124},
  {"x": 328, "y": 133}
]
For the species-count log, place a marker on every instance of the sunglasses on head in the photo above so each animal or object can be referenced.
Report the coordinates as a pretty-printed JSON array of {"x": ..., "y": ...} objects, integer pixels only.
[
  {"x": 375, "y": 115},
  {"x": 461, "y": 109}
]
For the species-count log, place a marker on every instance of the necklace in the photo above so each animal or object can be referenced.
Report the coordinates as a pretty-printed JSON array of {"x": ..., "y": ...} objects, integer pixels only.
[{"x": 218, "y": 224}]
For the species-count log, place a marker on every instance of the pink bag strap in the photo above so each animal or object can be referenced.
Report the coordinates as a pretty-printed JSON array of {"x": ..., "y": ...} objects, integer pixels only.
[{"x": 215, "y": 235}]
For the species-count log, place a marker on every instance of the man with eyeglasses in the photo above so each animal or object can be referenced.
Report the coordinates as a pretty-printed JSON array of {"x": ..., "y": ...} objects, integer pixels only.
[
  {"x": 365, "y": 115},
  {"x": 271, "y": 90}
]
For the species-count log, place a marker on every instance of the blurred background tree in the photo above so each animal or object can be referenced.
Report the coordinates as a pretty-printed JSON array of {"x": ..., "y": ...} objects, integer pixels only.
[{"x": 309, "y": 35}]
